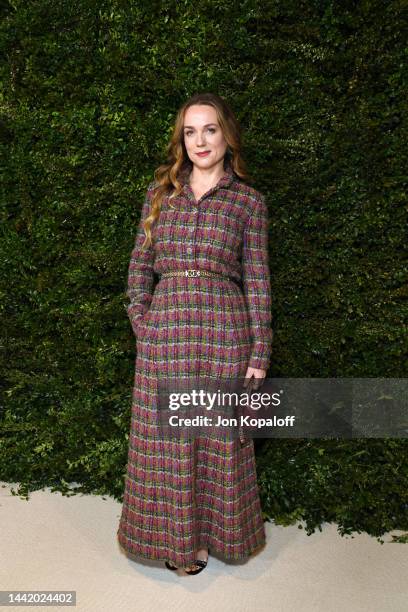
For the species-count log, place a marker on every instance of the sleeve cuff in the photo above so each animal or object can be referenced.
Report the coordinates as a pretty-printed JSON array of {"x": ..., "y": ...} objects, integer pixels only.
[{"x": 260, "y": 363}]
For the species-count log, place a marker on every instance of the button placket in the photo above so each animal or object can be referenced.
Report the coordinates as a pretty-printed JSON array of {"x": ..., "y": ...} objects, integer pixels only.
[
  {"x": 192, "y": 230},
  {"x": 195, "y": 204}
]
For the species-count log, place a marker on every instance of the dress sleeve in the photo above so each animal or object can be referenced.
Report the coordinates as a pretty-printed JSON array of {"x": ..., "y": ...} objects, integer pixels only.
[
  {"x": 257, "y": 284},
  {"x": 140, "y": 271}
]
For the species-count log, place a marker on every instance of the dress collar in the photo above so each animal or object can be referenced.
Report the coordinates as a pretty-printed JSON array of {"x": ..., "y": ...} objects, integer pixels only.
[{"x": 224, "y": 181}]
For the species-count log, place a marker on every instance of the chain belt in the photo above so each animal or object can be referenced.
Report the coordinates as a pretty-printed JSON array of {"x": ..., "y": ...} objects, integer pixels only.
[{"x": 192, "y": 273}]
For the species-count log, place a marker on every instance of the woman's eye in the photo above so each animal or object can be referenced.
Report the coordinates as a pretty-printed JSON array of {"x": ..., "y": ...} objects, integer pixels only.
[{"x": 189, "y": 132}]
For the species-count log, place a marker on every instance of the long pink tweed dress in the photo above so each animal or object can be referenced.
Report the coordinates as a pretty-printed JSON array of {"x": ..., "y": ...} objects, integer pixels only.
[{"x": 182, "y": 495}]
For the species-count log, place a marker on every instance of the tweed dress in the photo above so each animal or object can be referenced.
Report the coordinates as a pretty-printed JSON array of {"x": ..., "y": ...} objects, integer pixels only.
[{"x": 182, "y": 495}]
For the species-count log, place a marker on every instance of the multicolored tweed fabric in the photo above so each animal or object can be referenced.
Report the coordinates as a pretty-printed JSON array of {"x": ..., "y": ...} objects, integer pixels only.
[
  {"x": 226, "y": 232},
  {"x": 185, "y": 494}
]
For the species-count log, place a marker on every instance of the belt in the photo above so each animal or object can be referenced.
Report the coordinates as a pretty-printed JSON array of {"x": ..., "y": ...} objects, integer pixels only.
[{"x": 192, "y": 273}]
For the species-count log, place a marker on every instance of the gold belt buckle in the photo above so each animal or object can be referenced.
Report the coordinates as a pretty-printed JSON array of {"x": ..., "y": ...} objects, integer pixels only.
[{"x": 193, "y": 274}]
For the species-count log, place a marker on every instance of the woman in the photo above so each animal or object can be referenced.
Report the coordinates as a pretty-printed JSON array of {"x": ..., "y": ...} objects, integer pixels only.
[{"x": 185, "y": 497}]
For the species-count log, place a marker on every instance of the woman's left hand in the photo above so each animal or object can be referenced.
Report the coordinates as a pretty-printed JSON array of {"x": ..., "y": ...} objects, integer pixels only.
[{"x": 254, "y": 377}]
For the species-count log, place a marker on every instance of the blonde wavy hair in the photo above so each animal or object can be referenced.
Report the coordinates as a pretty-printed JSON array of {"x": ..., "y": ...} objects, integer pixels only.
[{"x": 166, "y": 175}]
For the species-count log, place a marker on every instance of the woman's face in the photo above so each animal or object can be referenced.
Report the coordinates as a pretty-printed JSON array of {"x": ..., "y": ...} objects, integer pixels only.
[{"x": 202, "y": 132}]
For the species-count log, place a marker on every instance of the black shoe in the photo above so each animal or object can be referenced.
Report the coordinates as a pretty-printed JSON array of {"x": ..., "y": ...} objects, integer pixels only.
[
  {"x": 170, "y": 566},
  {"x": 201, "y": 565}
]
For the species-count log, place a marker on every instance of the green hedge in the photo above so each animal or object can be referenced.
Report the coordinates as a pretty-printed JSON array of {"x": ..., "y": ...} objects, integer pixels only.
[{"x": 89, "y": 95}]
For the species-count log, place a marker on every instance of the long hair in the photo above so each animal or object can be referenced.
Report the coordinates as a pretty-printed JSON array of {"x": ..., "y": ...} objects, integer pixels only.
[{"x": 166, "y": 175}]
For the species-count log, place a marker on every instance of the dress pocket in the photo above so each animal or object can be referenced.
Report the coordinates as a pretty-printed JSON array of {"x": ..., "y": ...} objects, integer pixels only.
[{"x": 140, "y": 324}]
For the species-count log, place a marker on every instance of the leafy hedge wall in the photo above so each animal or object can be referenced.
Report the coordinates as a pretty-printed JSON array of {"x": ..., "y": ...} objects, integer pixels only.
[{"x": 89, "y": 94}]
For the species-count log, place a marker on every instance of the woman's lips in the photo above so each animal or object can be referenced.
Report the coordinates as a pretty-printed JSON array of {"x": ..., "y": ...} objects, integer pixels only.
[{"x": 203, "y": 153}]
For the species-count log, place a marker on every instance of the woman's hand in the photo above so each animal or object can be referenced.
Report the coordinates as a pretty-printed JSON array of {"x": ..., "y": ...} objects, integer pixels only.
[{"x": 254, "y": 378}]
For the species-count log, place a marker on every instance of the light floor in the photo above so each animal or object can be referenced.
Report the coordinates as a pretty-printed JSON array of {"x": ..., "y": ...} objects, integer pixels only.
[{"x": 53, "y": 542}]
